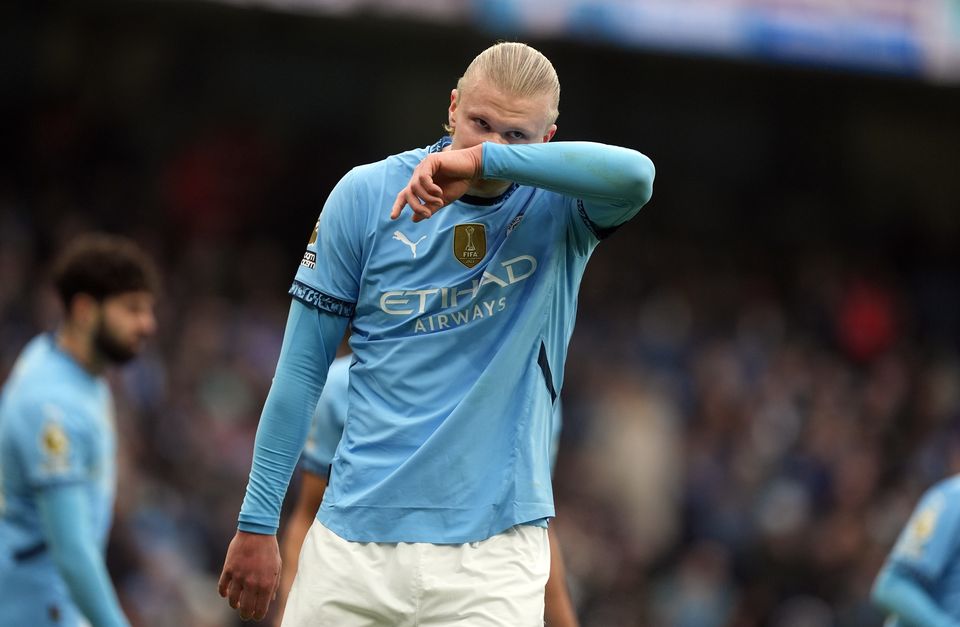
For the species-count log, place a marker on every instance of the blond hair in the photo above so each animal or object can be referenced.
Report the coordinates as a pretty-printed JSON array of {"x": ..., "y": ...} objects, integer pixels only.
[{"x": 517, "y": 69}]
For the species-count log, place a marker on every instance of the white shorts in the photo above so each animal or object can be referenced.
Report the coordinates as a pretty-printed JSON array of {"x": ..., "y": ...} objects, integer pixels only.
[{"x": 498, "y": 582}]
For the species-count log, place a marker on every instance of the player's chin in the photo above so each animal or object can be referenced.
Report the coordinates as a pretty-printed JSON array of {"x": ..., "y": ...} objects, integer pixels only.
[
  {"x": 122, "y": 357},
  {"x": 120, "y": 353}
]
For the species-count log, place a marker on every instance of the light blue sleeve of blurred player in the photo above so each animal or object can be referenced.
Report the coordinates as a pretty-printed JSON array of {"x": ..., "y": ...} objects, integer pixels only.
[
  {"x": 64, "y": 515},
  {"x": 328, "y": 419},
  {"x": 919, "y": 583},
  {"x": 928, "y": 543},
  {"x": 55, "y": 449},
  {"x": 58, "y": 458}
]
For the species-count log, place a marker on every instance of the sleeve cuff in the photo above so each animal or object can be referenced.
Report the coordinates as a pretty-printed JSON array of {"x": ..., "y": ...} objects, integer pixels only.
[{"x": 248, "y": 527}]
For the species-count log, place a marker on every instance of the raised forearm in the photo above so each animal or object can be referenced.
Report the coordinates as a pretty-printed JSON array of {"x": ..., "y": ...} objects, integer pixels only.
[{"x": 614, "y": 181}]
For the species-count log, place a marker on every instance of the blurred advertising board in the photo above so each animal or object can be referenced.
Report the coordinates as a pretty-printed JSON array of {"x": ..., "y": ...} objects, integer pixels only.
[{"x": 904, "y": 37}]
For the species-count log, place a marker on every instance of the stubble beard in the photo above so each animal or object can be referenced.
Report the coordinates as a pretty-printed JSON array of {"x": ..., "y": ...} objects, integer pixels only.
[{"x": 111, "y": 348}]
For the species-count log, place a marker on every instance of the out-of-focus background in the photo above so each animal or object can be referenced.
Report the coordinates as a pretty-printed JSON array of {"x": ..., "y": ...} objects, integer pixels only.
[{"x": 765, "y": 372}]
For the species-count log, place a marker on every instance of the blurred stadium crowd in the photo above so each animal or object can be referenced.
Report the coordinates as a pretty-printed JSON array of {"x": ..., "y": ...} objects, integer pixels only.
[{"x": 746, "y": 428}]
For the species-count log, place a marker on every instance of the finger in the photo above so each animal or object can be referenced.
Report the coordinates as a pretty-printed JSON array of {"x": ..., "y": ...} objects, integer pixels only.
[
  {"x": 248, "y": 600},
  {"x": 223, "y": 583},
  {"x": 276, "y": 585},
  {"x": 398, "y": 205},
  {"x": 408, "y": 197},
  {"x": 424, "y": 203},
  {"x": 418, "y": 206},
  {"x": 424, "y": 211},
  {"x": 261, "y": 605},
  {"x": 422, "y": 214},
  {"x": 430, "y": 192},
  {"x": 234, "y": 591}
]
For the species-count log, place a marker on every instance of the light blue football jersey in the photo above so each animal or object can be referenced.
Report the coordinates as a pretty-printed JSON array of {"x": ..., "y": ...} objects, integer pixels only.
[
  {"x": 929, "y": 546},
  {"x": 460, "y": 328},
  {"x": 326, "y": 427},
  {"x": 56, "y": 427}
]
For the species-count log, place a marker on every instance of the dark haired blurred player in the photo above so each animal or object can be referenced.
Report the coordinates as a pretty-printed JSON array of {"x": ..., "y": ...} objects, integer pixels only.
[{"x": 58, "y": 443}]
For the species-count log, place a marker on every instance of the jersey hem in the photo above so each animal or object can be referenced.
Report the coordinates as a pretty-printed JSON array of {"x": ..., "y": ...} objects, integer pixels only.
[{"x": 392, "y": 525}]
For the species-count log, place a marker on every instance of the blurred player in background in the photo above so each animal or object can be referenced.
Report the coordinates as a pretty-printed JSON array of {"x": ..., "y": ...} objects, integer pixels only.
[
  {"x": 920, "y": 583},
  {"x": 58, "y": 441},
  {"x": 439, "y": 495},
  {"x": 325, "y": 432}
]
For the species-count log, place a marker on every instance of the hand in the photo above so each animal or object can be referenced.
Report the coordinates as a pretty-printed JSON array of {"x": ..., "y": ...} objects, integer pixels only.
[
  {"x": 440, "y": 179},
  {"x": 251, "y": 574}
]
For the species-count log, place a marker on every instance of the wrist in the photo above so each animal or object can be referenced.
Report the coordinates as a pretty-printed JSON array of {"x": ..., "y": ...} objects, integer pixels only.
[{"x": 476, "y": 154}]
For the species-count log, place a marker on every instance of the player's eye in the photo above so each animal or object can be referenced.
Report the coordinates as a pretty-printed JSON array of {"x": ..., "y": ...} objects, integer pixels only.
[
  {"x": 516, "y": 135},
  {"x": 481, "y": 123}
]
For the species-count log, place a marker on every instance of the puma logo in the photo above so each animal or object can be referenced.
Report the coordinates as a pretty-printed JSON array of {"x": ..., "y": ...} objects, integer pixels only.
[{"x": 400, "y": 237}]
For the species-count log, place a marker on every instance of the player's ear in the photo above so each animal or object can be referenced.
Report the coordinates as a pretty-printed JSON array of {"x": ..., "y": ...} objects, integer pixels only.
[
  {"x": 550, "y": 133},
  {"x": 84, "y": 310},
  {"x": 452, "y": 111}
]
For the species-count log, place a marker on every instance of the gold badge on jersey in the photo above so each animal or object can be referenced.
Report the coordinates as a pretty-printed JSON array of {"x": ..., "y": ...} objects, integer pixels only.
[
  {"x": 54, "y": 440},
  {"x": 919, "y": 530},
  {"x": 923, "y": 525},
  {"x": 313, "y": 236},
  {"x": 469, "y": 243}
]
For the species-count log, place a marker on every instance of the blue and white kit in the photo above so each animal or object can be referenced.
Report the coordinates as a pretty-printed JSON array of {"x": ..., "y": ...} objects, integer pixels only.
[
  {"x": 460, "y": 326},
  {"x": 57, "y": 485}
]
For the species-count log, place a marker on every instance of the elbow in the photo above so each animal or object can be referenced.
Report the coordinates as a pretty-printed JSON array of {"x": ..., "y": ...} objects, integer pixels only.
[
  {"x": 640, "y": 180},
  {"x": 880, "y": 592}
]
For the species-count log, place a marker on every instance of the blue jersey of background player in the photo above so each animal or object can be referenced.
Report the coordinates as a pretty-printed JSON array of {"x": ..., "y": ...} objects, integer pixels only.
[
  {"x": 920, "y": 583},
  {"x": 461, "y": 320},
  {"x": 58, "y": 443},
  {"x": 318, "y": 452},
  {"x": 327, "y": 424}
]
